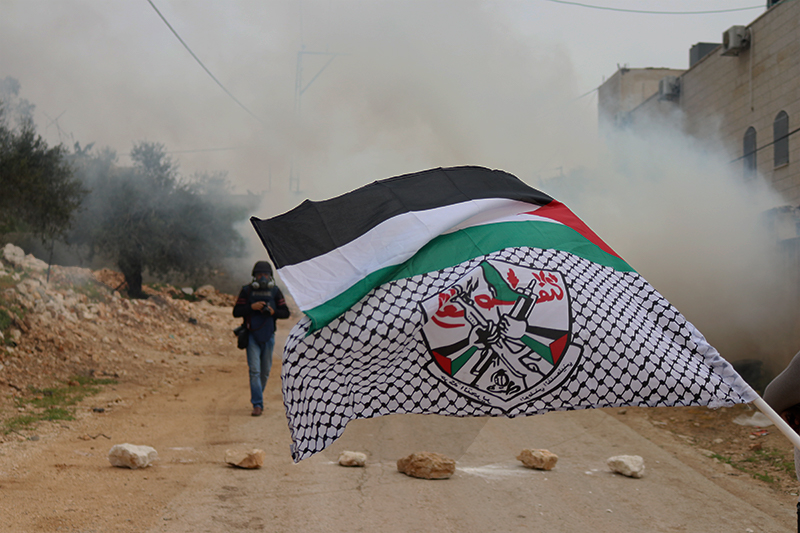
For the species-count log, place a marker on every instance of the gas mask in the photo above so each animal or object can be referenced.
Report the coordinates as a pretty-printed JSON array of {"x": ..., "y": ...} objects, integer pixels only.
[{"x": 262, "y": 284}]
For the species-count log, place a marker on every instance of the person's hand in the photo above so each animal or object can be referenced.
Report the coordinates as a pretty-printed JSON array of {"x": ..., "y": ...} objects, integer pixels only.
[
  {"x": 512, "y": 327},
  {"x": 270, "y": 310},
  {"x": 257, "y": 306},
  {"x": 792, "y": 417}
]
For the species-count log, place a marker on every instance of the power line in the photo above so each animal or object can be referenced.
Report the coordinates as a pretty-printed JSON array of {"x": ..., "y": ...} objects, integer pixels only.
[
  {"x": 209, "y": 150},
  {"x": 587, "y": 93},
  {"x": 782, "y": 137},
  {"x": 202, "y": 65},
  {"x": 197, "y": 150},
  {"x": 607, "y": 8}
]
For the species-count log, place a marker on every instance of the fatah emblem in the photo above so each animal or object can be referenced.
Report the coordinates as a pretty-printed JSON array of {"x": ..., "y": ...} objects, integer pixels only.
[{"x": 502, "y": 334}]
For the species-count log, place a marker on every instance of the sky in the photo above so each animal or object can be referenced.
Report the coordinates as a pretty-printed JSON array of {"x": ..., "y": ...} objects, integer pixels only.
[{"x": 415, "y": 84}]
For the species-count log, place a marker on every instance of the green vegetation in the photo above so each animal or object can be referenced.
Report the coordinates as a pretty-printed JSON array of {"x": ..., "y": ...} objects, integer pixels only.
[
  {"x": 40, "y": 191},
  {"x": 773, "y": 458},
  {"x": 9, "y": 311},
  {"x": 766, "y": 478},
  {"x": 755, "y": 463},
  {"x": 722, "y": 459},
  {"x": 6, "y": 282},
  {"x": 94, "y": 291},
  {"x": 147, "y": 218},
  {"x": 55, "y": 403},
  {"x": 19, "y": 422},
  {"x": 5, "y": 320},
  {"x": 141, "y": 218}
]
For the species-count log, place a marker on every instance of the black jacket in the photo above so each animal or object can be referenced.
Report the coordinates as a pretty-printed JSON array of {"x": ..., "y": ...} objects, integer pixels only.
[{"x": 260, "y": 323}]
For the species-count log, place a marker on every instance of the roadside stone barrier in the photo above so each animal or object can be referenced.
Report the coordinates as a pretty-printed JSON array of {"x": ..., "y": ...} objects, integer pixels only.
[
  {"x": 427, "y": 465},
  {"x": 245, "y": 458},
  {"x": 538, "y": 459},
  {"x": 347, "y": 458},
  {"x": 132, "y": 456},
  {"x": 627, "y": 465}
]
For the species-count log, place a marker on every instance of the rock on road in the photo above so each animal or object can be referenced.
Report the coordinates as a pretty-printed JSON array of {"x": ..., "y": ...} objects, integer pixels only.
[{"x": 65, "y": 483}]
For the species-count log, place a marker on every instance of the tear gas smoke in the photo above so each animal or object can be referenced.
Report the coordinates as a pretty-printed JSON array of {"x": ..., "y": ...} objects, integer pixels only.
[
  {"x": 681, "y": 214},
  {"x": 417, "y": 85}
]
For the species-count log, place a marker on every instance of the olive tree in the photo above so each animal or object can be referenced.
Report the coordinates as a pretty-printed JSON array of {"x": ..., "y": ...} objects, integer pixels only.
[
  {"x": 39, "y": 192},
  {"x": 146, "y": 218}
]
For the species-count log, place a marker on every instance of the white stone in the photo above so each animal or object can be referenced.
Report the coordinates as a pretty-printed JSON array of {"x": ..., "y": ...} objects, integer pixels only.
[
  {"x": 27, "y": 287},
  {"x": 132, "y": 456},
  {"x": 13, "y": 255},
  {"x": 347, "y": 458},
  {"x": 187, "y": 290},
  {"x": 34, "y": 264},
  {"x": 627, "y": 465},
  {"x": 206, "y": 291}
]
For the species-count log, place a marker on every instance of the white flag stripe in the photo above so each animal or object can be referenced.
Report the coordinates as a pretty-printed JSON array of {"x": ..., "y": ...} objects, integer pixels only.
[
  {"x": 314, "y": 282},
  {"x": 495, "y": 218}
]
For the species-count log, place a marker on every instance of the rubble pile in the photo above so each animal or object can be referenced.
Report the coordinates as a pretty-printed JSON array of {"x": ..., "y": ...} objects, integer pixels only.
[{"x": 76, "y": 323}]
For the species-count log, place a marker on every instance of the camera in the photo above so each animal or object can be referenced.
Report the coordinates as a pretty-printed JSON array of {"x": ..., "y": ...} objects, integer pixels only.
[{"x": 263, "y": 294}]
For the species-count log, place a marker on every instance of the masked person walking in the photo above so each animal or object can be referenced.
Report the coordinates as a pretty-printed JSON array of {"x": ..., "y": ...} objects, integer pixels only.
[{"x": 260, "y": 303}]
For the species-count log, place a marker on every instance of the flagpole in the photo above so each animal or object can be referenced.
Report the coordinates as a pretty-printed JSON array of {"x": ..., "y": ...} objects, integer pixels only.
[{"x": 779, "y": 422}]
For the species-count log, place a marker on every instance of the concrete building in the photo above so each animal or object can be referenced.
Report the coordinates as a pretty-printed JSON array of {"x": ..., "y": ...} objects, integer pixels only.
[
  {"x": 744, "y": 92},
  {"x": 626, "y": 90}
]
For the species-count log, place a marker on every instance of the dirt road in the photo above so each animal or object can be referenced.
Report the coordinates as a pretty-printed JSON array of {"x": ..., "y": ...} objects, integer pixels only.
[{"x": 61, "y": 480}]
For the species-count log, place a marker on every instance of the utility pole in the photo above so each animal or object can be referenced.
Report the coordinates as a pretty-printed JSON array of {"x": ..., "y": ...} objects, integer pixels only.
[
  {"x": 299, "y": 89},
  {"x": 54, "y": 121}
]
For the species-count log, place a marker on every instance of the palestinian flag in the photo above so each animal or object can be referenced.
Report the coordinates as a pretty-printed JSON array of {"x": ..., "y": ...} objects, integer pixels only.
[{"x": 464, "y": 292}]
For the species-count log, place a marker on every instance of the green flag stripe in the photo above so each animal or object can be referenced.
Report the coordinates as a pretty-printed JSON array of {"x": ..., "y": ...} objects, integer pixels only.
[
  {"x": 461, "y": 360},
  {"x": 453, "y": 248},
  {"x": 539, "y": 348}
]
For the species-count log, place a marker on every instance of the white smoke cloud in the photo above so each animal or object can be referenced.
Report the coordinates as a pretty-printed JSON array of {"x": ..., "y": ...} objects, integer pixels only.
[{"x": 680, "y": 213}]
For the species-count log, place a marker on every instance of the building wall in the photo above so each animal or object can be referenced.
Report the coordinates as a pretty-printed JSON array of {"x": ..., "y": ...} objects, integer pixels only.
[
  {"x": 655, "y": 111},
  {"x": 626, "y": 90},
  {"x": 722, "y": 96}
]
